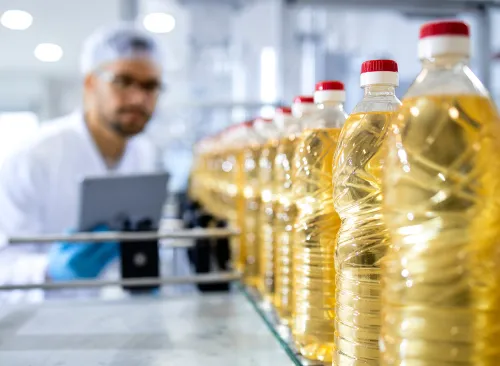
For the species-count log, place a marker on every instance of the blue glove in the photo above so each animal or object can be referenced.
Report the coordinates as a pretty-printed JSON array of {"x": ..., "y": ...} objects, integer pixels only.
[{"x": 72, "y": 261}]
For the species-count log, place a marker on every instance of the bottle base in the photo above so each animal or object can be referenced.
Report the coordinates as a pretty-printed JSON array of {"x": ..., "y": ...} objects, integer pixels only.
[
  {"x": 251, "y": 281},
  {"x": 316, "y": 351},
  {"x": 340, "y": 359}
]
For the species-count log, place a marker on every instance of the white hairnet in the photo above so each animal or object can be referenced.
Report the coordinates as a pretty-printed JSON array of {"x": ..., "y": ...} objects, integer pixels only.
[{"x": 117, "y": 42}]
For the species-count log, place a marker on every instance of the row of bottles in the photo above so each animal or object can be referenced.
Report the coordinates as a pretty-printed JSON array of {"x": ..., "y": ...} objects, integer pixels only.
[{"x": 374, "y": 236}]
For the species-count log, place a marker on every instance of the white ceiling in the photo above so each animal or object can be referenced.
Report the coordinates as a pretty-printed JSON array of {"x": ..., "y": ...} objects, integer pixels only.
[{"x": 65, "y": 22}]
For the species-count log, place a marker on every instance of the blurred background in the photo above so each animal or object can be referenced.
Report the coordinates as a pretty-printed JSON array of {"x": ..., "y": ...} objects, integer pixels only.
[{"x": 227, "y": 60}]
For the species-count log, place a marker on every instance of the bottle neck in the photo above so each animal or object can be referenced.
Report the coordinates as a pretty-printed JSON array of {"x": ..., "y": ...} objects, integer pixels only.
[
  {"x": 378, "y": 98},
  {"x": 445, "y": 62},
  {"x": 379, "y": 91},
  {"x": 302, "y": 110},
  {"x": 331, "y": 104}
]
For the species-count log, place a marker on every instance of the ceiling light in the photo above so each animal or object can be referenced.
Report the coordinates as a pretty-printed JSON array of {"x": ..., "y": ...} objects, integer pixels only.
[
  {"x": 16, "y": 19},
  {"x": 159, "y": 22},
  {"x": 48, "y": 52}
]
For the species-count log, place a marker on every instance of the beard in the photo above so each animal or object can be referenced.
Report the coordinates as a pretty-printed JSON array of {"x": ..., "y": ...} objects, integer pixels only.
[{"x": 128, "y": 121}]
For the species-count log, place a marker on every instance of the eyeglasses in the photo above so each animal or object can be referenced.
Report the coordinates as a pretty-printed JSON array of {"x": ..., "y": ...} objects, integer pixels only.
[{"x": 125, "y": 83}]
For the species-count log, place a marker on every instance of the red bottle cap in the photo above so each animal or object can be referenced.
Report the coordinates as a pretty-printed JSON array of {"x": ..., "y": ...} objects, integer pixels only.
[
  {"x": 329, "y": 85},
  {"x": 284, "y": 110},
  {"x": 379, "y": 72},
  {"x": 442, "y": 28},
  {"x": 303, "y": 99},
  {"x": 450, "y": 37},
  {"x": 379, "y": 65},
  {"x": 329, "y": 91}
]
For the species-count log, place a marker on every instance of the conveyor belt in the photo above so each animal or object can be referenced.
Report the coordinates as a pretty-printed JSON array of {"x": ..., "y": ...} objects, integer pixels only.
[{"x": 190, "y": 331}]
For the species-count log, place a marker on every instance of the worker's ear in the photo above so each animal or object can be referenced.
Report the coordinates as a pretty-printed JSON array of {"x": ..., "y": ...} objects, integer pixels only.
[{"x": 89, "y": 82}]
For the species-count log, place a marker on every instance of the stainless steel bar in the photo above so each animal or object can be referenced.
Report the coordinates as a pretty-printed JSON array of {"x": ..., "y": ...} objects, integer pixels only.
[
  {"x": 124, "y": 236},
  {"x": 181, "y": 280}
]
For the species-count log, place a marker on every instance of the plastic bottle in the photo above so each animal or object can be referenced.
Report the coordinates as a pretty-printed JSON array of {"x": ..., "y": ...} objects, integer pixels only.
[
  {"x": 316, "y": 225},
  {"x": 283, "y": 116},
  {"x": 442, "y": 207},
  {"x": 259, "y": 132},
  {"x": 210, "y": 193},
  {"x": 284, "y": 217},
  {"x": 217, "y": 206},
  {"x": 232, "y": 140},
  {"x": 199, "y": 170},
  {"x": 362, "y": 238},
  {"x": 225, "y": 171}
]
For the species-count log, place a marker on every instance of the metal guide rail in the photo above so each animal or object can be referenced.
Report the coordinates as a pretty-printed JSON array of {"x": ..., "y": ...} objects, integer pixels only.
[
  {"x": 129, "y": 237},
  {"x": 126, "y": 236}
]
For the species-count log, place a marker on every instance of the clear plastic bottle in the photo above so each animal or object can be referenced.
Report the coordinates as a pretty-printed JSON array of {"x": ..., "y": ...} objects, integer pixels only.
[
  {"x": 316, "y": 225},
  {"x": 211, "y": 196},
  {"x": 198, "y": 173},
  {"x": 260, "y": 131},
  {"x": 442, "y": 207},
  {"x": 232, "y": 140},
  {"x": 225, "y": 181},
  {"x": 283, "y": 117},
  {"x": 216, "y": 207},
  {"x": 362, "y": 239},
  {"x": 284, "y": 217}
]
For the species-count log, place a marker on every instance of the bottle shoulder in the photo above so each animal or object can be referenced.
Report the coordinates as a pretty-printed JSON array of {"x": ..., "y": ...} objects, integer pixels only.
[
  {"x": 458, "y": 80},
  {"x": 325, "y": 118},
  {"x": 377, "y": 104}
]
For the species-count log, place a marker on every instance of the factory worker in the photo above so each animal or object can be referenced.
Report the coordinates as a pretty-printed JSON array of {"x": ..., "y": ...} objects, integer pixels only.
[{"x": 39, "y": 183}]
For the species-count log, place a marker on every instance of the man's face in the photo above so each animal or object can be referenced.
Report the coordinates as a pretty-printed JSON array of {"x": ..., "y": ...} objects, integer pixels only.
[{"x": 124, "y": 94}]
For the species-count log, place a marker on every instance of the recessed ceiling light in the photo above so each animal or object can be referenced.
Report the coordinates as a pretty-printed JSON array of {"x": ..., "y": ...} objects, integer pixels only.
[
  {"x": 16, "y": 19},
  {"x": 48, "y": 52},
  {"x": 159, "y": 22}
]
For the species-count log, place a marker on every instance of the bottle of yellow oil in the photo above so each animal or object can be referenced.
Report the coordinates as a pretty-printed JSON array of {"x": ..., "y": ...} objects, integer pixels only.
[
  {"x": 225, "y": 166},
  {"x": 232, "y": 140},
  {"x": 316, "y": 224},
  {"x": 441, "y": 275},
  {"x": 259, "y": 132},
  {"x": 209, "y": 189},
  {"x": 283, "y": 116},
  {"x": 198, "y": 173},
  {"x": 284, "y": 218},
  {"x": 362, "y": 239},
  {"x": 216, "y": 199},
  {"x": 236, "y": 142}
]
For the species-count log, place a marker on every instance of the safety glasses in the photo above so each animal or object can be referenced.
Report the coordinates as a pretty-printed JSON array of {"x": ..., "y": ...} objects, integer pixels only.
[{"x": 125, "y": 83}]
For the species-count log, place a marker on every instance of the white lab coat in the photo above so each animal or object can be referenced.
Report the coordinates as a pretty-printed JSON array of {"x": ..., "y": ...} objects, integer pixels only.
[{"x": 39, "y": 186}]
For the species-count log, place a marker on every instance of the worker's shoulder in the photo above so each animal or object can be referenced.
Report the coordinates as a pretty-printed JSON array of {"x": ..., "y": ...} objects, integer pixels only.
[
  {"x": 57, "y": 134},
  {"x": 57, "y": 129},
  {"x": 51, "y": 137}
]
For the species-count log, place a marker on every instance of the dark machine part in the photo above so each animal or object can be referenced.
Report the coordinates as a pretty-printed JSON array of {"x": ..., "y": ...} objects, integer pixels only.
[
  {"x": 207, "y": 254},
  {"x": 140, "y": 259}
]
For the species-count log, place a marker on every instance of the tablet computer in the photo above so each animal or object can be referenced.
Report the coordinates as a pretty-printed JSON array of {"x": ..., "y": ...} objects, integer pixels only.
[{"x": 113, "y": 199}]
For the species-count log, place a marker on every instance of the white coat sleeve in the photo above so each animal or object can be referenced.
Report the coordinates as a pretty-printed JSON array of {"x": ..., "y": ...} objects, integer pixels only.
[{"x": 21, "y": 195}]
